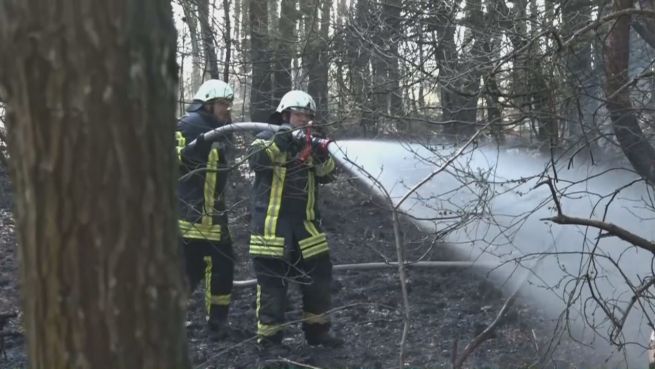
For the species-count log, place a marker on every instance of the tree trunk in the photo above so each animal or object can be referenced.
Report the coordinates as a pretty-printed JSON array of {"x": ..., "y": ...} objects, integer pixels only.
[
  {"x": 494, "y": 111},
  {"x": 518, "y": 36},
  {"x": 359, "y": 57},
  {"x": 285, "y": 48},
  {"x": 208, "y": 40},
  {"x": 449, "y": 83},
  {"x": 543, "y": 106},
  {"x": 578, "y": 105},
  {"x": 246, "y": 64},
  {"x": 273, "y": 18},
  {"x": 318, "y": 76},
  {"x": 310, "y": 44},
  {"x": 340, "y": 44},
  {"x": 191, "y": 19},
  {"x": 379, "y": 67},
  {"x": 91, "y": 88},
  {"x": 491, "y": 45},
  {"x": 392, "y": 19},
  {"x": 470, "y": 71},
  {"x": 636, "y": 147},
  {"x": 237, "y": 20},
  {"x": 260, "y": 93},
  {"x": 228, "y": 39},
  {"x": 421, "y": 61}
]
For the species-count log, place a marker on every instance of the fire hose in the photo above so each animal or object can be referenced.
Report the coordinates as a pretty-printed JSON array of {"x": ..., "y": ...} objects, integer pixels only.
[{"x": 298, "y": 134}]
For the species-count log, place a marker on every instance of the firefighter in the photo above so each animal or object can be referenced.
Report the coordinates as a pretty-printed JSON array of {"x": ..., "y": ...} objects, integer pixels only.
[
  {"x": 204, "y": 234},
  {"x": 286, "y": 243}
]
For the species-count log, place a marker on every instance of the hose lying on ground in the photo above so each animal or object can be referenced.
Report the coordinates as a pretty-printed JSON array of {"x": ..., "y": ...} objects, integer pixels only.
[{"x": 369, "y": 266}]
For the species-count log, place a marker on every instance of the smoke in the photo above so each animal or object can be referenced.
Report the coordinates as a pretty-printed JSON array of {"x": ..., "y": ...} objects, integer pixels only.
[{"x": 488, "y": 207}]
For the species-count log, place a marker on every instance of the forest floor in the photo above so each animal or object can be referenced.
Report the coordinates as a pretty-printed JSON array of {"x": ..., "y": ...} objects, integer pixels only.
[{"x": 448, "y": 305}]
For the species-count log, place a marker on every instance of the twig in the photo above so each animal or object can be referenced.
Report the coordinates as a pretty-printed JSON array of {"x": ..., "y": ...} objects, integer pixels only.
[
  {"x": 487, "y": 333},
  {"x": 536, "y": 343},
  {"x": 288, "y": 361},
  {"x": 441, "y": 168},
  {"x": 549, "y": 182},
  {"x": 636, "y": 298}
]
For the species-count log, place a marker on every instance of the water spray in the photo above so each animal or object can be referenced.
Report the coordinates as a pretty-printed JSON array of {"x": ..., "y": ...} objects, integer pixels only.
[{"x": 512, "y": 227}]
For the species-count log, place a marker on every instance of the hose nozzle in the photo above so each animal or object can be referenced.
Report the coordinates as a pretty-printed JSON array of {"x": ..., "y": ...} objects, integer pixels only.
[{"x": 320, "y": 145}]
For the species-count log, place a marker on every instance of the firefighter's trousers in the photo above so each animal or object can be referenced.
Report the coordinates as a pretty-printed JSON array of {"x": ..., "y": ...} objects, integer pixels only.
[
  {"x": 314, "y": 276},
  {"x": 212, "y": 261}
]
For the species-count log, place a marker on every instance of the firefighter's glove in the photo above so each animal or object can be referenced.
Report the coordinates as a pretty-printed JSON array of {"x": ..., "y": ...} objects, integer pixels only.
[
  {"x": 202, "y": 144},
  {"x": 283, "y": 138}
]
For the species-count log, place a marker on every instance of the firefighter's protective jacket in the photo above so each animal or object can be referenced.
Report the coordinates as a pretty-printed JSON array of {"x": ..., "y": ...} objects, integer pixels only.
[
  {"x": 284, "y": 199},
  {"x": 203, "y": 175}
]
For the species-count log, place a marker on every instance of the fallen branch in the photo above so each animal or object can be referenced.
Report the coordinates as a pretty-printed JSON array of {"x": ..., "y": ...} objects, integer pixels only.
[
  {"x": 288, "y": 361},
  {"x": 370, "y": 266}
]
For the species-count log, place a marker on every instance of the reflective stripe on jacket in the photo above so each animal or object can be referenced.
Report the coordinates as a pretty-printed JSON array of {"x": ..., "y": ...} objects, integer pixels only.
[
  {"x": 203, "y": 175},
  {"x": 285, "y": 193}
]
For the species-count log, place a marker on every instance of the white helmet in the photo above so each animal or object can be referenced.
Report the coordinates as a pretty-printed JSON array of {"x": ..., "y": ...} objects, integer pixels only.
[
  {"x": 298, "y": 101},
  {"x": 214, "y": 89}
]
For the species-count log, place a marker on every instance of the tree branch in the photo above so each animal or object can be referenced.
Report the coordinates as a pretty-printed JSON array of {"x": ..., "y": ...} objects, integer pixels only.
[
  {"x": 553, "y": 193},
  {"x": 605, "y": 19},
  {"x": 441, "y": 168},
  {"x": 486, "y": 334},
  {"x": 610, "y": 228}
]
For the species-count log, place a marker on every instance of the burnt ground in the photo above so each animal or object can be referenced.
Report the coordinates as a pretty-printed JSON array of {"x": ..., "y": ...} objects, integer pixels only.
[{"x": 447, "y": 304}]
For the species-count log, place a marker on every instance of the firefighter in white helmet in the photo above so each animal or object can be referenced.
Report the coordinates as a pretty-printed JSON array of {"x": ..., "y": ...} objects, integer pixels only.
[
  {"x": 286, "y": 241},
  {"x": 204, "y": 234}
]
